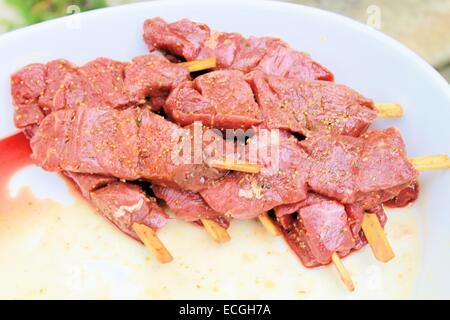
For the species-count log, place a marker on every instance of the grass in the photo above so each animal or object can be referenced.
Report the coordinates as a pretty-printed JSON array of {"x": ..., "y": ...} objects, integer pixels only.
[{"x": 34, "y": 11}]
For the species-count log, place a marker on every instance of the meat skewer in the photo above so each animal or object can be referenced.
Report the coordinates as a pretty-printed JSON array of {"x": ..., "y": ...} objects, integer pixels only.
[
  {"x": 109, "y": 154},
  {"x": 344, "y": 168},
  {"x": 191, "y": 41},
  {"x": 424, "y": 163},
  {"x": 371, "y": 225},
  {"x": 225, "y": 99},
  {"x": 37, "y": 89}
]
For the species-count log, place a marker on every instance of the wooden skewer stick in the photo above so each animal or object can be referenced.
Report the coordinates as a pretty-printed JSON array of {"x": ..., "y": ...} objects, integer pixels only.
[
  {"x": 268, "y": 224},
  {"x": 389, "y": 110},
  {"x": 152, "y": 242},
  {"x": 343, "y": 273},
  {"x": 435, "y": 162},
  {"x": 376, "y": 237},
  {"x": 217, "y": 232},
  {"x": 237, "y": 165},
  {"x": 199, "y": 65}
]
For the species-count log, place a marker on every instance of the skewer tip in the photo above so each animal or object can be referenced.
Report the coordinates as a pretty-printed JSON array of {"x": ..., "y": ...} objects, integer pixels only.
[
  {"x": 376, "y": 237},
  {"x": 217, "y": 232},
  {"x": 435, "y": 162},
  {"x": 389, "y": 110},
  {"x": 268, "y": 224},
  {"x": 343, "y": 273},
  {"x": 151, "y": 241}
]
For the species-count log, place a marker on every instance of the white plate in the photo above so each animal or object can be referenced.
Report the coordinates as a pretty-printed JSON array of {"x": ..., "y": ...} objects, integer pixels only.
[{"x": 57, "y": 247}]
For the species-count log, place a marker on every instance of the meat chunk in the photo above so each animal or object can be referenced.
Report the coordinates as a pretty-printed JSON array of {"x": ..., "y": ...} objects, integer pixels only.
[
  {"x": 191, "y": 40},
  {"x": 384, "y": 169},
  {"x": 294, "y": 234},
  {"x": 281, "y": 60},
  {"x": 124, "y": 204},
  {"x": 286, "y": 214},
  {"x": 105, "y": 79},
  {"x": 320, "y": 228},
  {"x": 252, "y": 51},
  {"x": 355, "y": 214},
  {"x": 129, "y": 144},
  {"x": 317, "y": 227},
  {"x": 334, "y": 168},
  {"x": 105, "y": 82},
  {"x": 98, "y": 83},
  {"x": 368, "y": 170},
  {"x": 153, "y": 76},
  {"x": 220, "y": 99},
  {"x": 282, "y": 179},
  {"x": 224, "y": 46},
  {"x": 287, "y": 62},
  {"x": 182, "y": 38},
  {"x": 311, "y": 107},
  {"x": 87, "y": 183},
  {"x": 287, "y": 209},
  {"x": 326, "y": 229},
  {"x": 405, "y": 197},
  {"x": 27, "y": 85},
  {"x": 186, "y": 205},
  {"x": 121, "y": 203},
  {"x": 57, "y": 70}
]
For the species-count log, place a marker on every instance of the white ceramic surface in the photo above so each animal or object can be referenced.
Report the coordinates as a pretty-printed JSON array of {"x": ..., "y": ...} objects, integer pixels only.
[{"x": 67, "y": 251}]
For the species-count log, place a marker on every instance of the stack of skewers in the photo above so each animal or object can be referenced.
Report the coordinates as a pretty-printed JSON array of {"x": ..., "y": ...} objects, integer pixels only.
[{"x": 112, "y": 127}]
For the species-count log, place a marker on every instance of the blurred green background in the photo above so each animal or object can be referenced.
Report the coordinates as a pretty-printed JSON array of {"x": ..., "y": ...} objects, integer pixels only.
[{"x": 422, "y": 25}]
